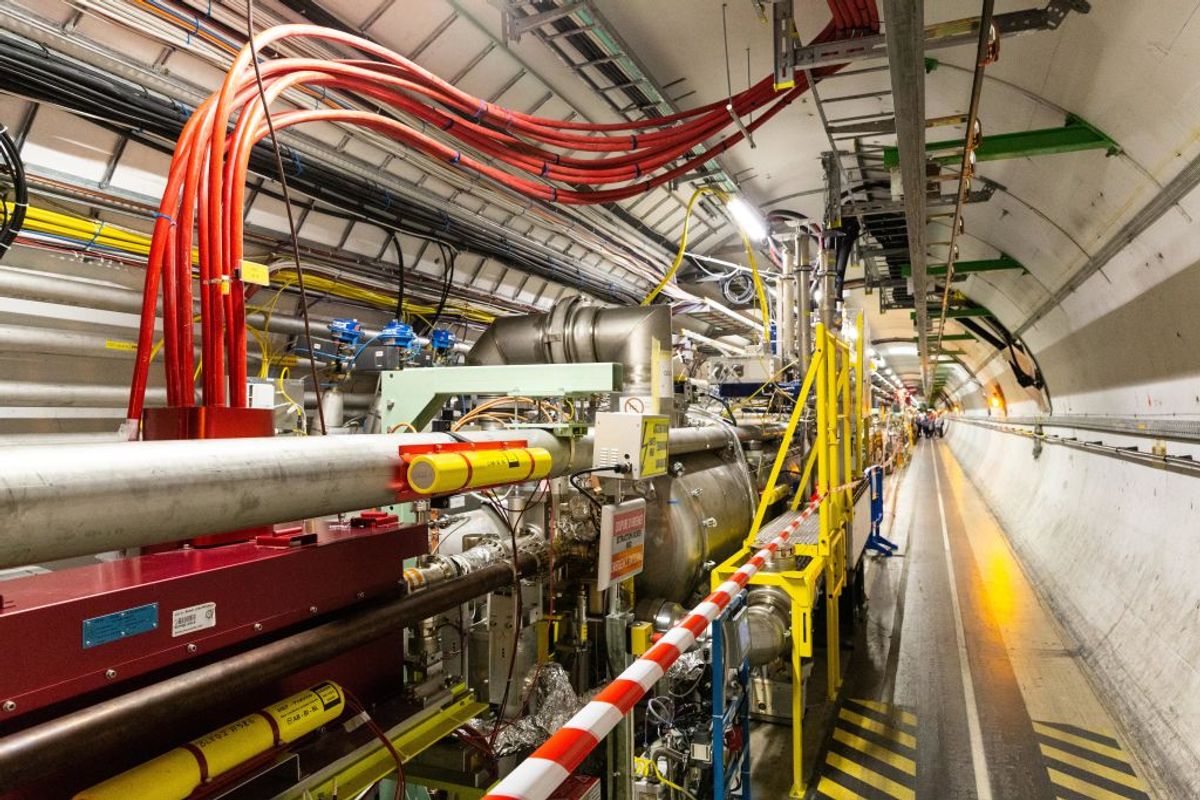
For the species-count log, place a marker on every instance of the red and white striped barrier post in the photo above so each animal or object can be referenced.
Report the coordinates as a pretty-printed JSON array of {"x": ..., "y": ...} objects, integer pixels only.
[{"x": 552, "y": 763}]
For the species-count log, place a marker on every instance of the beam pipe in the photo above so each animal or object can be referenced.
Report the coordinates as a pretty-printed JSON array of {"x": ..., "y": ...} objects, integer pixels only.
[{"x": 111, "y": 496}]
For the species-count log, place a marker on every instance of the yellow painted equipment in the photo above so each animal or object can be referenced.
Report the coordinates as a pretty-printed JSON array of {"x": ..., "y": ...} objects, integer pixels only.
[
  {"x": 458, "y": 470},
  {"x": 640, "y": 637},
  {"x": 175, "y": 775}
]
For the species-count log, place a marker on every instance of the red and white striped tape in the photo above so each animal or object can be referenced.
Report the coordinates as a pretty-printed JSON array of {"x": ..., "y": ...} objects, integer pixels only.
[{"x": 538, "y": 776}]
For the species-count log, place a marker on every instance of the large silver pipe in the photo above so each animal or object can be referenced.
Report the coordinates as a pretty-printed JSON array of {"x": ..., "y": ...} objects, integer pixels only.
[
  {"x": 785, "y": 309},
  {"x": 83, "y": 500},
  {"x": 638, "y": 337},
  {"x": 804, "y": 300},
  {"x": 87, "y": 395},
  {"x": 44, "y": 288}
]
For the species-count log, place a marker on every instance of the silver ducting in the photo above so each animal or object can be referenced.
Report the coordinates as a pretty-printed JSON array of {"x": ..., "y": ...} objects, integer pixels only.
[{"x": 638, "y": 337}]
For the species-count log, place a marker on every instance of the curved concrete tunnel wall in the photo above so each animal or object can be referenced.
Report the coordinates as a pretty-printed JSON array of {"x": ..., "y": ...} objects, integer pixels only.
[{"x": 1108, "y": 544}]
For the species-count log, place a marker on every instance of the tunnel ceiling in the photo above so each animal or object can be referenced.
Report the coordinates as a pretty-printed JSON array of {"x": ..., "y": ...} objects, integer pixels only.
[{"x": 1126, "y": 68}]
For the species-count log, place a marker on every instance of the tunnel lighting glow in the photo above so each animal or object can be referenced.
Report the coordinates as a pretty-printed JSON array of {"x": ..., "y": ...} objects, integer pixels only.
[{"x": 748, "y": 219}]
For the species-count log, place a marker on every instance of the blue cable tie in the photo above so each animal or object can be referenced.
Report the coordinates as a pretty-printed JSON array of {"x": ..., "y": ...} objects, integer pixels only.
[
  {"x": 296, "y": 162},
  {"x": 457, "y": 157},
  {"x": 553, "y": 194},
  {"x": 169, "y": 219},
  {"x": 545, "y": 168},
  {"x": 481, "y": 111},
  {"x": 387, "y": 200},
  {"x": 633, "y": 141}
]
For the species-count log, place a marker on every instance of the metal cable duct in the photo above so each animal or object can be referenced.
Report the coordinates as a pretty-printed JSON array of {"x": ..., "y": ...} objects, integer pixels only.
[
  {"x": 146, "y": 717},
  {"x": 109, "y": 496},
  {"x": 638, "y": 337}
]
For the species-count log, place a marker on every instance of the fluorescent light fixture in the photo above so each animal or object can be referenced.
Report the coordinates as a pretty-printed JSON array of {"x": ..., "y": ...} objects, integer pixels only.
[{"x": 747, "y": 218}]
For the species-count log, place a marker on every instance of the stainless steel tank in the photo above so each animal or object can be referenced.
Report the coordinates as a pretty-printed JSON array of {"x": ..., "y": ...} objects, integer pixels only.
[{"x": 695, "y": 518}]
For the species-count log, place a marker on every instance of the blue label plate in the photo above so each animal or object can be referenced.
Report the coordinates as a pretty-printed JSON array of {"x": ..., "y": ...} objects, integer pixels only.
[{"x": 119, "y": 625}]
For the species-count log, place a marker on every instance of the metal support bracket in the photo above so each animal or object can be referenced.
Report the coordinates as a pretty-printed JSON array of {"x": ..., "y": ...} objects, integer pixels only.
[{"x": 513, "y": 26}]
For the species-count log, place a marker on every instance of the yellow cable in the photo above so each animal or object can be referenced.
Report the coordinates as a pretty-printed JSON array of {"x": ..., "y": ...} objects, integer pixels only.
[
  {"x": 683, "y": 238},
  {"x": 687, "y": 221},
  {"x": 647, "y": 767}
]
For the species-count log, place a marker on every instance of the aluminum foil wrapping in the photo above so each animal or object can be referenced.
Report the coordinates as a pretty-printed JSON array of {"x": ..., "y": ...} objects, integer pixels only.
[
  {"x": 688, "y": 667},
  {"x": 552, "y": 701}
]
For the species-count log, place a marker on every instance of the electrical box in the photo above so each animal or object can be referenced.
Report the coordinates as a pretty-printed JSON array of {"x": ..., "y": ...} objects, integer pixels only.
[{"x": 637, "y": 441}]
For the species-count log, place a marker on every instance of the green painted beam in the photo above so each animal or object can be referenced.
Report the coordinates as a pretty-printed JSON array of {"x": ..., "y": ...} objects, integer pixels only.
[
  {"x": 1076, "y": 135},
  {"x": 963, "y": 267},
  {"x": 956, "y": 313}
]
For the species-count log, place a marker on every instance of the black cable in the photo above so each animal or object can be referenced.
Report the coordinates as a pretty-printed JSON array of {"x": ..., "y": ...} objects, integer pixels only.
[
  {"x": 287, "y": 204},
  {"x": 449, "y": 257},
  {"x": 12, "y": 224},
  {"x": 399, "y": 278}
]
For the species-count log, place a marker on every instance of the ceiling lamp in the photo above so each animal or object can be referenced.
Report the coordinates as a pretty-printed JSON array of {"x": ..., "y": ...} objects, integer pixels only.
[{"x": 748, "y": 220}]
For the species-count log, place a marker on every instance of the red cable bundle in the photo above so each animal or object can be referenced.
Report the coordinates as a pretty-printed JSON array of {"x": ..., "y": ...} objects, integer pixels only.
[{"x": 206, "y": 183}]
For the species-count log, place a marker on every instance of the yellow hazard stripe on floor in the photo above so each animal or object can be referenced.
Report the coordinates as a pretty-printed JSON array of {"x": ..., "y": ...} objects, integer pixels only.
[
  {"x": 836, "y": 790},
  {"x": 906, "y": 717},
  {"x": 902, "y": 763},
  {"x": 1082, "y": 787},
  {"x": 906, "y": 739},
  {"x": 1079, "y": 741},
  {"x": 871, "y": 777},
  {"x": 1114, "y": 775}
]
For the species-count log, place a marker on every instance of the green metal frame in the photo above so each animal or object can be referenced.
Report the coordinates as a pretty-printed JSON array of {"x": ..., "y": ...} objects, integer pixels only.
[
  {"x": 1004, "y": 262},
  {"x": 414, "y": 396},
  {"x": 1075, "y": 135}
]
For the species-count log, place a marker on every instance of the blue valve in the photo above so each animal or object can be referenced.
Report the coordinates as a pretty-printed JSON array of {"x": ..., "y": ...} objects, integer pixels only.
[
  {"x": 345, "y": 330},
  {"x": 441, "y": 339},
  {"x": 398, "y": 334}
]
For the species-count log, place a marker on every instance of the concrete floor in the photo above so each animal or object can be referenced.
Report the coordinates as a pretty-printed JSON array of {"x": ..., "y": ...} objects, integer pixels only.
[{"x": 958, "y": 682}]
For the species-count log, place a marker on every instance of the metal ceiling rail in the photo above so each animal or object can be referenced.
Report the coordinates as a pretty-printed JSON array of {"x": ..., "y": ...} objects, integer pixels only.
[
  {"x": 984, "y": 55},
  {"x": 938, "y": 36},
  {"x": 906, "y": 59}
]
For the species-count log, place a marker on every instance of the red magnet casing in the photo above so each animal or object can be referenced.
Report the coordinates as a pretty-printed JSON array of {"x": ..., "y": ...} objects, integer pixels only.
[{"x": 72, "y": 631}]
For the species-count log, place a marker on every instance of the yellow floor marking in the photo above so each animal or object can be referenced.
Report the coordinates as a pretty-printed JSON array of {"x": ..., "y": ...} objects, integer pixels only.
[
  {"x": 1079, "y": 741},
  {"x": 1114, "y": 775},
  {"x": 876, "y": 751},
  {"x": 887, "y": 785},
  {"x": 906, "y": 739},
  {"x": 1083, "y": 787},
  {"x": 837, "y": 791},
  {"x": 883, "y": 708}
]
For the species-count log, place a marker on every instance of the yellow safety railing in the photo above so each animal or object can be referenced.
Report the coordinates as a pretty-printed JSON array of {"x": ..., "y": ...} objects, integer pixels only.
[{"x": 838, "y": 456}]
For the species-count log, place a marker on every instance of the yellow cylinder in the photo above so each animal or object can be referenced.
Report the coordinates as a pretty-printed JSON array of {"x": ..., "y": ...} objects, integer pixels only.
[
  {"x": 175, "y": 775},
  {"x": 457, "y": 470}
]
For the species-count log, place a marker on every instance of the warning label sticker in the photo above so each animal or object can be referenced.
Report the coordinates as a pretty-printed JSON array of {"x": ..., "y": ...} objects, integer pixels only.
[{"x": 193, "y": 618}]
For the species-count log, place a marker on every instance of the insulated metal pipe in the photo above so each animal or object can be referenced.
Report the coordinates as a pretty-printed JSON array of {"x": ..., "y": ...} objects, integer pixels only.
[
  {"x": 804, "y": 300},
  {"x": 149, "y": 717},
  {"x": 785, "y": 309},
  {"x": 46, "y": 288},
  {"x": 88, "y": 395},
  {"x": 637, "y": 337},
  {"x": 84, "y": 500}
]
